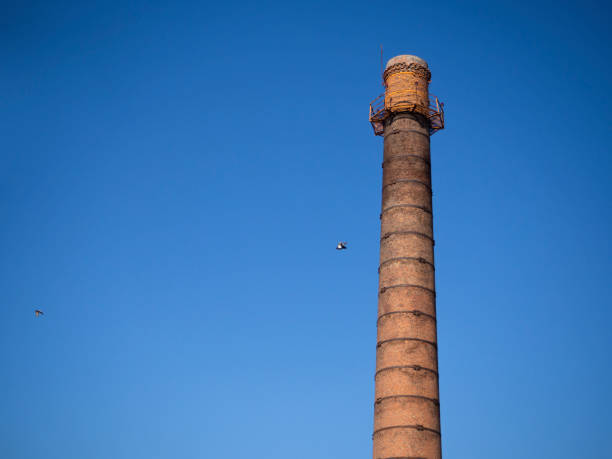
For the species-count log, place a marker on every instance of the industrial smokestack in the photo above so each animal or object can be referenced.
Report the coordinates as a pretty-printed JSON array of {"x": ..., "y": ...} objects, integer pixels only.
[{"x": 407, "y": 408}]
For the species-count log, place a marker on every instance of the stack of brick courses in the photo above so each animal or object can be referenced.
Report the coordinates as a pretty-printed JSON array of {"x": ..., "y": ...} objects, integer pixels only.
[{"x": 406, "y": 413}]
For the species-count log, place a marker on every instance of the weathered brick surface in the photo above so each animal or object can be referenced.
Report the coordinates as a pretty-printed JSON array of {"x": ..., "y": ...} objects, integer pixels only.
[
  {"x": 402, "y": 298},
  {"x": 405, "y": 244},
  {"x": 406, "y": 408},
  {"x": 404, "y": 191},
  {"x": 407, "y": 219},
  {"x": 407, "y": 443},
  {"x": 405, "y": 167},
  {"x": 401, "y": 324},
  {"x": 407, "y": 411},
  {"x": 406, "y": 352},
  {"x": 406, "y": 381},
  {"x": 407, "y": 271}
]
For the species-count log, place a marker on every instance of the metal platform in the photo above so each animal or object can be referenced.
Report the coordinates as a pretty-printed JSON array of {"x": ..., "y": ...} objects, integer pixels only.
[{"x": 404, "y": 101}]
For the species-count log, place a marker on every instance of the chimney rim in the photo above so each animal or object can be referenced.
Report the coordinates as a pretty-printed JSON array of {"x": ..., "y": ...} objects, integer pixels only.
[{"x": 406, "y": 59}]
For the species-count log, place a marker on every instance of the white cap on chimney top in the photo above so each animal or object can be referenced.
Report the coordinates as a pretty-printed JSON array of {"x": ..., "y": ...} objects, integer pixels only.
[{"x": 406, "y": 59}]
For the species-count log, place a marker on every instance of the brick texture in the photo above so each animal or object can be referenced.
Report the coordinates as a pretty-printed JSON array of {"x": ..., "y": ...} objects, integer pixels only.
[{"x": 406, "y": 410}]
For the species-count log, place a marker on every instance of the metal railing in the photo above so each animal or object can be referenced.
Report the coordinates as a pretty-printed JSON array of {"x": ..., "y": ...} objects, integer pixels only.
[{"x": 380, "y": 110}]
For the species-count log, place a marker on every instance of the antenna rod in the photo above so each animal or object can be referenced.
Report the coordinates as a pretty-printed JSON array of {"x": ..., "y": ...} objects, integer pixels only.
[{"x": 381, "y": 65}]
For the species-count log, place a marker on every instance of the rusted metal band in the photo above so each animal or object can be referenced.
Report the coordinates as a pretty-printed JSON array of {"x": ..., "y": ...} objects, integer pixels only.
[
  {"x": 394, "y": 157},
  {"x": 435, "y": 401},
  {"x": 411, "y": 311},
  {"x": 399, "y": 131},
  {"x": 413, "y": 367},
  {"x": 407, "y": 426},
  {"x": 408, "y": 181},
  {"x": 416, "y": 233},
  {"x": 402, "y": 457},
  {"x": 431, "y": 343},
  {"x": 415, "y": 206},
  {"x": 384, "y": 289},
  {"x": 419, "y": 259}
]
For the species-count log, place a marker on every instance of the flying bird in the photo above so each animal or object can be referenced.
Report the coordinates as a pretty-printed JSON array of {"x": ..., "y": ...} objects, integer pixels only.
[
  {"x": 341, "y": 246},
  {"x": 38, "y": 312}
]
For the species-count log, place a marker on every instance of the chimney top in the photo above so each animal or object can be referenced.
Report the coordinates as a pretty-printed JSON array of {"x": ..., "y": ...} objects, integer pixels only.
[{"x": 406, "y": 59}]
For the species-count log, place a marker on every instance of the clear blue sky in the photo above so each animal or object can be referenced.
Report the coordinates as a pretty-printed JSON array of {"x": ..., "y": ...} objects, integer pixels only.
[{"x": 174, "y": 177}]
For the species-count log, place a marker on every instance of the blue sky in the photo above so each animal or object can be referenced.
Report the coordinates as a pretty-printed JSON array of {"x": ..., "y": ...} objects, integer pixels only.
[{"x": 174, "y": 177}]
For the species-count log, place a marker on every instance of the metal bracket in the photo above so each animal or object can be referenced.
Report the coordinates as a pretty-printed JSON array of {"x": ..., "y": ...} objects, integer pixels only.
[
  {"x": 394, "y": 157},
  {"x": 411, "y": 311},
  {"x": 419, "y": 259},
  {"x": 399, "y": 131},
  {"x": 408, "y": 181},
  {"x": 416, "y": 233},
  {"x": 384, "y": 289},
  {"x": 435, "y": 401},
  {"x": 402, "y": 457},
  {"x": 415, "y": 206},
  {"x": 418, "y": 427},
  {"x": 399, "y": 367},
  {"x": 431, "y": 343}
]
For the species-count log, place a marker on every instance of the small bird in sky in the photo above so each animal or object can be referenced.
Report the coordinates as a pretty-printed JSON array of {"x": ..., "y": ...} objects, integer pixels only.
[
  {"x": 341, "y": 246},
  {"x": 38, "y": 312}
]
